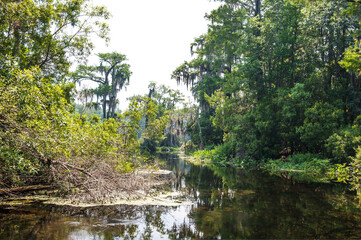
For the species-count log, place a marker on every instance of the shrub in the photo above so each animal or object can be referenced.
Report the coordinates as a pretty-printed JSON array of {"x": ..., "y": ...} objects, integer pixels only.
[
  {"x": 309, "y": 167},
  {"x": 342, "y": 144},
  {"x": 320, "y": 123}
]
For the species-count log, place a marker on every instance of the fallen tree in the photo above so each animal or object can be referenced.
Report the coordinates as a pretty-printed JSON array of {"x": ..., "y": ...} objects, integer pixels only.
[{"x": 6, "y": 191}]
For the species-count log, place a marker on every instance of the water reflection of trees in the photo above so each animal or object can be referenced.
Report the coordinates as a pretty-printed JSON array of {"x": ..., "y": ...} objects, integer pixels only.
[
  {"x": 251, "y": 204},
  {"x": 245, "y": 204},
  {"x": 35, "y": 221},
  {"x": 28, "y": 223},
  {"x": 184, "y": 231},
  {"x": 172, "y": 162},
  {"x": 230, "y": 204}
]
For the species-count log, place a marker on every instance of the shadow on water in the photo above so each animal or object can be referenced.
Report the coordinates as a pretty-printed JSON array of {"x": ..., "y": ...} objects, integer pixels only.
[{"x": 228, "y": 203}]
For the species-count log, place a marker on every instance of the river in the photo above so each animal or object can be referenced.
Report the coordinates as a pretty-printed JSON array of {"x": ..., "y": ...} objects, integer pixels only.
[{"x": 226, "y": 204}]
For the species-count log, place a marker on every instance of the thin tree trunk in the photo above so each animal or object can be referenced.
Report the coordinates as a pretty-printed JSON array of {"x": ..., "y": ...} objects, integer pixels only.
[
  {"x": 257, "y": 11},
  {"x": 104, "y": 106},
  {"x": 200, "y": 130}
]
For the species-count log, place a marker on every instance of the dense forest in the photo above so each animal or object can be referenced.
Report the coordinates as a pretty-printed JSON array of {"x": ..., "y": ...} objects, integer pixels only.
[
  {"x": 278, "y": 79},
  {"x": 276, "y": 84}
]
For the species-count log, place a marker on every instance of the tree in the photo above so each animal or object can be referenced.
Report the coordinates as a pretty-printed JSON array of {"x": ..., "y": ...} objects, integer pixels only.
[
  {"x": 161, "y": 102},
  {"x": 352, "y": 57},
  {"x": 166, "y": 100},
  {"x": 49, "y": 34},
  {"x": 111, "y": 74}
]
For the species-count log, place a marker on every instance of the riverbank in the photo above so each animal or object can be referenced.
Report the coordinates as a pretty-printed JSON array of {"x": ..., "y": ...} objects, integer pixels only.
[
  {"x": 153, "y": 198},
  {"x": 298, "y": 167},
  {"x": 143, "y": 187}
]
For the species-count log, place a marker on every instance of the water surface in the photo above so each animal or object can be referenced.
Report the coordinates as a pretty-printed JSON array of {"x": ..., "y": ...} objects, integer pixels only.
[{"x": 228, "y": 204}]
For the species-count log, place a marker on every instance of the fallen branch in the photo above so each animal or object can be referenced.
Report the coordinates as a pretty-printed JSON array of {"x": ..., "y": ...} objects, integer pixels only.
[
  {"x": 71, "y": 166},
  {"x": 23, "y": 189}
]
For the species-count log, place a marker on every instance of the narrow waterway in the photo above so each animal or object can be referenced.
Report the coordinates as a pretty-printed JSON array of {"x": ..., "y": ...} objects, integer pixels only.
[{"x": 227, "y": 204}]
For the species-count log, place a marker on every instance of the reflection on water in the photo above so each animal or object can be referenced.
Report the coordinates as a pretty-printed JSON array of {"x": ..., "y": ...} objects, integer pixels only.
[{"x": 228, "y": 203}]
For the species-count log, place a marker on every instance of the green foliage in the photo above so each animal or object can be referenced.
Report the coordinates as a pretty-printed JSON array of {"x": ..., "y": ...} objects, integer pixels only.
[
  {"x": 32, "y": 112},
  {"x": 202, "y": 131},
  {"x": 42, "y": 137},
  {"x": 14, "y": 165},
  {"x": 167, "y": 122},
  {"x": 189, "y": 147},
  {"x": 204, "y": 155},
  {"x": 148, "y": 133},
  {"x": 217, "y": 157},
  {"x": 351, "y": 173},
  {"x": 306, "y": 167},
  {"x": 355, "y": 173},
  {"x": 320, "y": 122},
  {"x": 225, "y": 149},
  {"x": 39, "y": 135},
  {"x": 155, "y": 124},
  {"x": 47, "y": 33},
  {"x": 88, "y": 109},
  {"x": 342, "y": 144},
  {"x": 340, "y": 173},
  {"x": 165, "y": 98},
  {"x": 352, "y": 59}
]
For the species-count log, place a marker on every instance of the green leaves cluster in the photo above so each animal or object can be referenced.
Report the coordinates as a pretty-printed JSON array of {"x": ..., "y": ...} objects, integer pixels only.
[
  {"x": 49, "y": 33},
  {"x": 163, "y": 122}
]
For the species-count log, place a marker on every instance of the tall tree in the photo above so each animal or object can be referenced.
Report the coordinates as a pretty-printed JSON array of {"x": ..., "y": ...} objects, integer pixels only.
[{"x": 111, "y": 74}]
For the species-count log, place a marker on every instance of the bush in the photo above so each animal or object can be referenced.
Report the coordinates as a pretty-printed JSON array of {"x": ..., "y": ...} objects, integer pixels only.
[
  {"x": 320, "y": 123},
  {"x": 309, "y": 167},
  {"x": 342, "y": 145},
  {"x": 225, "y": 149},
  {"x": 352, "y": 172},
  {"x": 189, "y": 146}
]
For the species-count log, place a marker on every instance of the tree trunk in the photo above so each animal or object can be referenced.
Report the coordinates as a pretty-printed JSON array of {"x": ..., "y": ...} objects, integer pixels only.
[
  {"x": 113, "y": 107},
  {"x": 105, "y": 95},
  {"x": 110, "y": 106},
  {"x": 201, "y": 145},
  {"x": 257, "y": 11},
  {"x": 104, "y": 106}
]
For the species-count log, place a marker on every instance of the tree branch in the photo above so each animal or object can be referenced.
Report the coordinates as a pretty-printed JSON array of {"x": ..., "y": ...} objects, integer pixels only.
[
  {"x": 49, "y": 44},
  {"x": 71, "y": 166}
]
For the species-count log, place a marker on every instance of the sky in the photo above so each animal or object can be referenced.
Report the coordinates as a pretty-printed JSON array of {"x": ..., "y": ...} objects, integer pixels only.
[{"x": 155, "y": 35}]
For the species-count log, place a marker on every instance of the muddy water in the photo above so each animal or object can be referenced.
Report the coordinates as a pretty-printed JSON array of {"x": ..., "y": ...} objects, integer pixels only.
[{"x": 227, "y": 204}]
